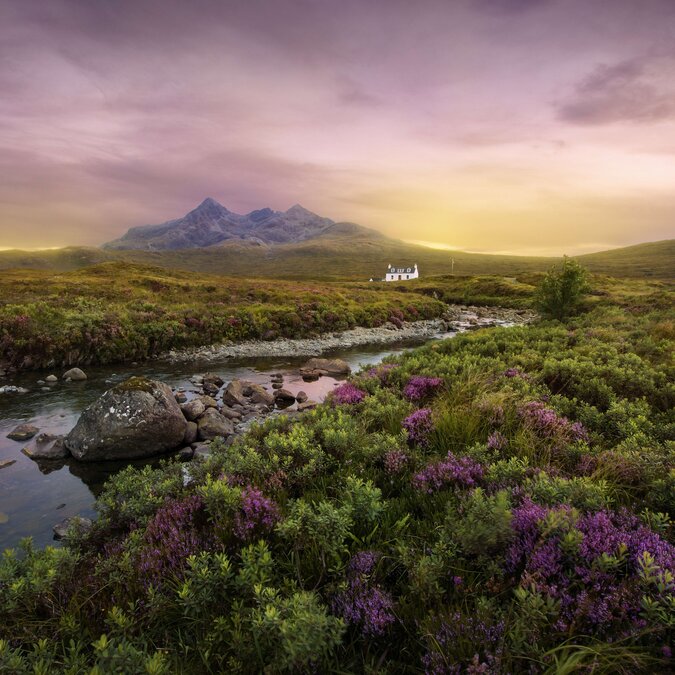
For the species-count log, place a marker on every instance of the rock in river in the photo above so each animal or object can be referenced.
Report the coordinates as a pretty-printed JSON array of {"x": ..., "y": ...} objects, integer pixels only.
[
  {"x": 317, "y": 366},
  {"x": 23, "y": 432},
  {"x": 137, "y": 418},
  {"x": 74, "y": 374},
  {"x": 46, "y": 446}
]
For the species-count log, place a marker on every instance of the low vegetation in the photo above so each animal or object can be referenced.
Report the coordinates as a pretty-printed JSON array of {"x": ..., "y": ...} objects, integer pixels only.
[
  {"x": 115, "y": 312},
  {"x": 499, "y": 502}
]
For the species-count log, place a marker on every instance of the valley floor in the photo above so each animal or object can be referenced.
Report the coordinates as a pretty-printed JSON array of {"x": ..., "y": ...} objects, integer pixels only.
[{"x": 499, "y": 502}]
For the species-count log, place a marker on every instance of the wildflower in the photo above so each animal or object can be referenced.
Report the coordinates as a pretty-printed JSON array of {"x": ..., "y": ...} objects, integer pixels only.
[
  {"x": 257, "y": 515},
  {"x": 175, "y": 533},
  {"x": 451, "y": 471},
  {"x": 496, "y": 441},
  {"x": 548, "y": 424},
  {"x": 363, "y": 602},
  {"x": 395, "y": 462},
  {"x": 419, "y": 426},
  {"x": 420, "y": 387},
  {"x": 382, "y": 371},
  {"x": 347, "y": 394},
  {"x": 481, "y": 642}
]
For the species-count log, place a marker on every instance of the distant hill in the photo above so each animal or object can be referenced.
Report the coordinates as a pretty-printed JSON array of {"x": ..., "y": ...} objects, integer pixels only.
[
  {"x": 211, "y": 224},
  {"x": 653, "y": 259}
]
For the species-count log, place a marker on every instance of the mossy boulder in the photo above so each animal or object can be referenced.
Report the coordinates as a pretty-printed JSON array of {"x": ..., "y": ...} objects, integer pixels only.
[{"x": 137, "y": 418}]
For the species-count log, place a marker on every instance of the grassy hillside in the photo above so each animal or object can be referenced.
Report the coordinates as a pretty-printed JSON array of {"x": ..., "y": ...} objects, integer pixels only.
[
  {"x": 653, "y": 259},
  {"x": 344, "y": 257},
  {"x": 501, "y": 502}
]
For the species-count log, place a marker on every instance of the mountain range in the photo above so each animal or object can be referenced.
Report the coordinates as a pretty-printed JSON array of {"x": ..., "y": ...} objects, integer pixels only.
[{"x": 212, "y": 224}]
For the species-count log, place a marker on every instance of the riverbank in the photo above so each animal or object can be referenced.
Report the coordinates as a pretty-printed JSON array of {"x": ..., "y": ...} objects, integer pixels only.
[{"x": 456, "y": 319}]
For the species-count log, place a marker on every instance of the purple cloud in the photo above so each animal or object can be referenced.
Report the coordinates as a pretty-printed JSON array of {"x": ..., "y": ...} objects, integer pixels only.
[{"x": 628, "y": 91}]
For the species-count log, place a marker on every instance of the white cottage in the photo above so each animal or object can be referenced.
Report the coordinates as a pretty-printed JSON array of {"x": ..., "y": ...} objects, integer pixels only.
[{"x": 395, "y": 273}]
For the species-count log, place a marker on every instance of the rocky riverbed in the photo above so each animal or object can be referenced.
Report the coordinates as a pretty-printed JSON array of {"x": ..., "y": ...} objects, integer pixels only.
[{"x": 457, "y": 318}]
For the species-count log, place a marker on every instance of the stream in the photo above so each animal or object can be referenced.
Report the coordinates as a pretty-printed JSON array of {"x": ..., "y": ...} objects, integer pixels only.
[{"x": 35, "y": 496}]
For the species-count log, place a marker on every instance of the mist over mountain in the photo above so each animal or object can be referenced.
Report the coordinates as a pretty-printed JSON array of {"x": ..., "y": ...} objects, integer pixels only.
[{"x": 212, "y": 224}]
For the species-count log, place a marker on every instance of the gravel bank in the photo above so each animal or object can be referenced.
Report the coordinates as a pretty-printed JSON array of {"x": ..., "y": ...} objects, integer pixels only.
[{"x": 456, "y": 319}]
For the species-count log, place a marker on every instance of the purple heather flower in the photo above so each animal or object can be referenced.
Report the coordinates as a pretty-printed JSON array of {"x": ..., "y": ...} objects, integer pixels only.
[
  {"x": 258, "y": 515},
  {"x": 591, "y": 596},
  {"x": 496, "y": 441},
  {"x": 484, "y": 640},
  {"x": 546, "y": 422},
  {"x": 395, "y": 462},
  {"x": 174, "y": 534},
  {"x": 419, "y": 425},
  {"x": 667, "y": 652},
  {"x": 450, "y": 471},
  {"x": 382, "y": 371},
  {"x": 363, "y": 602},
  {"x": 420, "y": 387},
  {"x": 347, "y": 394}
]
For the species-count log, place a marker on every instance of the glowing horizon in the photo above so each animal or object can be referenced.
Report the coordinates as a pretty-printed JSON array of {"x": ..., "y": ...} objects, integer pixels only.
[{"x": 533, "y": 127}]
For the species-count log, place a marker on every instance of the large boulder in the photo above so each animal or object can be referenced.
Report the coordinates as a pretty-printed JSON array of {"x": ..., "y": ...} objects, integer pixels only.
[
  {"x": 317, "y": 366},
  {"x": 137, "y": 418}
]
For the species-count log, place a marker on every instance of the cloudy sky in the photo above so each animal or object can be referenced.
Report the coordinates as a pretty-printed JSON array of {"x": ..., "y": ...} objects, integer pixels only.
[{"x": 528, "y": 126}]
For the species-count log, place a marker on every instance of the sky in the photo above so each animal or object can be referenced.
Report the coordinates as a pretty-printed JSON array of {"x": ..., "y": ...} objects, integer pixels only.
[{"x": 519, "y": 126}]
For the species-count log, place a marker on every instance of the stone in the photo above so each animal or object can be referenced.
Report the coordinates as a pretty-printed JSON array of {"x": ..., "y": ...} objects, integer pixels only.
[
  {"x": 260, "y": 395},
  {"x": 191, "y": 433},
  {"x": 310, "y": 377},
  {"x": 301, "y": 397},
  {"x": 325, "y": 367},
  {"x": 40, "y": 382},
  {"x": 11, "y": 389},
  {"x": 137, "y": 418},
  {"x": 208, "y": 401},
  {"x": 201, "y": 452},
  {"x": 4, "y": 463},
  {"x": 180, "y": 397},
  {"x": 213, "y": 379},
  {"x": 212, "y": 424},
  {"x": 46, "y": 446},
  {"x": 185, "y": 454},
  {"x": 75, "y": 375},
  {"x": 76, "y": 525},
  {"x": 193, "y": 409},
  {"x": 307, "y": 405},
  {"x": 278, "y": 385},
  {"x": 23, "y": 432},
  {"x": 283, "y": 395},
  {"x": 230, "y": 413},
  {"x": 210, "y": 389},
  {"x": 234, "y": 393}
]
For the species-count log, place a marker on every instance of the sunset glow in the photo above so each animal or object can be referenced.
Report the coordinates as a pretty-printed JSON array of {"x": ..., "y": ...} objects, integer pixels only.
[{"x": 521, "y": 126}]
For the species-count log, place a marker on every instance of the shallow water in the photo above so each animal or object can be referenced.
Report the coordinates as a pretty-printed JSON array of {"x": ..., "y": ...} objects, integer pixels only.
[{"x": 34, "y": 496}]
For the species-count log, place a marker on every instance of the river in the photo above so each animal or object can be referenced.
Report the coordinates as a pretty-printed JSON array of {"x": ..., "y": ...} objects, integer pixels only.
[{"x": 35, "y": 496}]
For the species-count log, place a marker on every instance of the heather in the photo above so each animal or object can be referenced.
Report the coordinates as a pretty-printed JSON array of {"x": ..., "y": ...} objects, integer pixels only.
[{"x": 499, "y": 502}]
